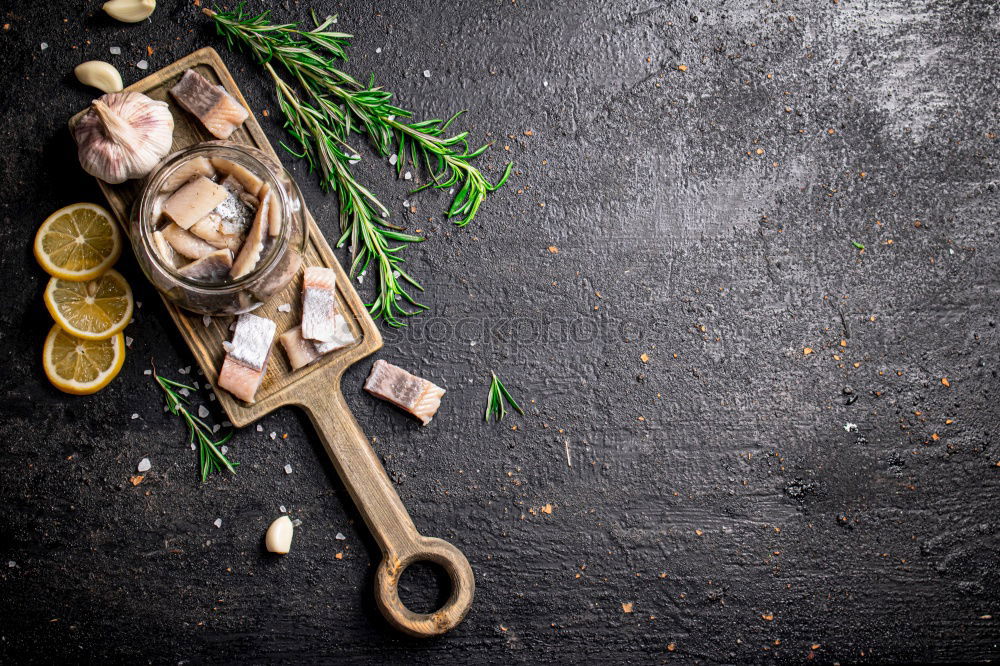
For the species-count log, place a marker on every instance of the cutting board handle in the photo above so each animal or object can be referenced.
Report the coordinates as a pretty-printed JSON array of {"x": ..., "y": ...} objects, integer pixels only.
[{"x": 376, "y": 498}]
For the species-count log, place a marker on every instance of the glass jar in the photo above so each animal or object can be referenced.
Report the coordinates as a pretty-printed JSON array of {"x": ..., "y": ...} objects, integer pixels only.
[{"x": 279, "y": 262}]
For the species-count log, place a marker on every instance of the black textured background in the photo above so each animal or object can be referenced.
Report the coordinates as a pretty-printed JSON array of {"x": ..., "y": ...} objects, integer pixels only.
[{"x": 702, "y": 217}]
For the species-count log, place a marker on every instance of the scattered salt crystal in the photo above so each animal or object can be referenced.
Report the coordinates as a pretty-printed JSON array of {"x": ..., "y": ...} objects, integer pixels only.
[
  {"x": 218, "y": 522},
  {"x": 216, "y": 427},
  {"x": 288, "y": 469},
  {"x": 144, "y": 465},
  {"x": 385, "y": 213},
  {"x": 407, "y": 176},
  {"x": 115, "y": 50},
  {"x": 142, "y": 64},
  {"x": 138, "y": 304},
  {"x": 197, "y": 385},
  {"x": 392, "y": 117},
  {"x": 131, "y": 321},
  {"x": 186, "y": 371},
  {"x": 202, "y": 412},
  {"x": 354, "y": 158},
  {"x": 165, "y": 408},
  {"x": 451, "y": 191},
  {"x": 224, "y": 450},
  {"x": 135, "y": 416},
  {"x": 851, "y": 427},
  {"x": 340, "y": 536},
  {"x": 296, "y": 522},
  {"x": 284, "y": 307},
  {"x": 406, "y": 203},
  {"x": 545, "y": 83},
  {"x": 184, "y": 392},
  {"x": 427, "y": 73},
  {"x": 192, "y": 446},
  {"x": 227, "y": 424},
  {"x": 147, "y": 372},
  {"x": 44, "y": 46},
  {"x": 274, "y": 435},
  {"x": 260, "y": 428},
  {"x": 129, "y": 341},
  {"x": 282, "y": 509},
  {"x": 472, "y": 343},
  {"x": 378, "y": 50},
  {"x": 393, "y": 158},
  {"x": 206, "y": 320},
  {"x": 211, "y": 397},
  {"x": 12, "y": 564},
  {"x": 227, "y": 345}
]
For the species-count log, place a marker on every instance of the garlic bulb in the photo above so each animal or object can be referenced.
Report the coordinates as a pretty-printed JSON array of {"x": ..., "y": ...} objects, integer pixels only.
[{"x": 124, "y": 135}]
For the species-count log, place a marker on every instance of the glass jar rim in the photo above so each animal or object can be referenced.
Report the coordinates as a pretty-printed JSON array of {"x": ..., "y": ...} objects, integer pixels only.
[{"x": 167, "y": 167}]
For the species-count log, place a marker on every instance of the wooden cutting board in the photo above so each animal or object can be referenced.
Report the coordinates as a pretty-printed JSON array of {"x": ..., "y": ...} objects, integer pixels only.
[{"x": 315, "y": 388}]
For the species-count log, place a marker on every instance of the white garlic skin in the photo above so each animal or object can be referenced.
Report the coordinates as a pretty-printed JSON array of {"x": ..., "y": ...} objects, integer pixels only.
[
  {"x": 99, "y": 74},
  {"x": 279, "y": 536},
  {"x": 123, "y": 135},
  {"x": 129, "y": 11}
]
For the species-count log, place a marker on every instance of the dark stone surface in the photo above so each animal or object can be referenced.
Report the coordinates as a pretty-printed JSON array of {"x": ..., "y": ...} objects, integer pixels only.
[{"x": 703, "y": 217}]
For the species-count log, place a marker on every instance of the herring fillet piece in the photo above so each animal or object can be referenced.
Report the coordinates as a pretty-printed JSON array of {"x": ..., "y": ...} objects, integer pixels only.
[
  {"x": 210, "y": 229},
  {"x": 249, "y": 180},
  {"x": 186, "y": 243},
  {"x": 319, "y": 303},
  {"x": 413, "y": 394},
  {"x": 302, "y": 352},
  {"x": 253, "y": 245},
  {"x": 168, "y": 254},
  {"x": 246, "y": 359},
  {"x": 217, "y": 110},
  {"x": 193, "y": 201},
  {"x": 210, "y": 268},
  {"x": 198, "y": 166}
]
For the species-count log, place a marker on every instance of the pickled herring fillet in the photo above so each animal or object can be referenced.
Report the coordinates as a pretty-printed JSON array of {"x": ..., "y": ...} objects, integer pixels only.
[
  {"x": 186, "y": 243},
  {"x": 253, "y": 246},
  {"x": 168, "y": 254},
  {"x": 217, "y": 110},
  {"x": 210, "y": 268},
  {"x": 246, "y": 358},
  {"x": 415, "y": 395},
  {"x": 250, "y": 182},
  {"x": 302, "y": 352},
  {"x": 199, "y": 166},
  {"x": 211, "y": 229},
  {"x": 319, "y": 303},
  {"x": 193, "y": 201}
]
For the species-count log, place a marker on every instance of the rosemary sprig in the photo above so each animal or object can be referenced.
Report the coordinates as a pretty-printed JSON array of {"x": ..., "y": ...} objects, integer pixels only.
[
  {"x": 309, "y": 56},
  {"x": 495, "y": 401},
  {"x": 210, "y": 458}
]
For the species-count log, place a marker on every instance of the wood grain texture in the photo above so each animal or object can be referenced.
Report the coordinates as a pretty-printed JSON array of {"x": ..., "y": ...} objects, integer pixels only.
[{"x": 316, "y": 387}]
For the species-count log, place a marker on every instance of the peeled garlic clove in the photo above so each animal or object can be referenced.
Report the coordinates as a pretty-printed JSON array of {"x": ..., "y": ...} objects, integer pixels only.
[
  {"x": 279, "y": 536},
  {"x": 99, "y": 74},
  {"x": 129, "y": 11},
  {"x": 123, "y": 135}
]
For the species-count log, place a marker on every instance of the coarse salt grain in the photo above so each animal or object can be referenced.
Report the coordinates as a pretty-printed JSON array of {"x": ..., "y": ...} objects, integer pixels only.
[
  {"x": 211, "y": 397},
  {"x": 284, "y": 307},
  {"x": 392, "y": 118},
  {"x": 282, "y": 509},
  {"x": 186, "y": 371},
  {"x": 12, "y": 564},
  {"x": 545, "y": 83},
  {"x": 227, "y": 345},
  {"x": 224, "y": 450},
  {"x": 135, "y": 416},
  {"x": 206, "y": 320},
  {"x": 184, "y": 392},
  {"x": 142, "y": 64},
  {"x": 260, "y": 428},
  {"x": 218, "y": 522},
  {"x": 43, "y": 46},
  {"x": 288, "y": 469},
  {"x": 202, "y": 411},
  {"x": 115, "y": 50},
  {"x": 147, "y": 371},
  {"x": 378, "y": 50},
  {"x": 407, "y": 176},
  {"x": 393, "y": 158},
  {"x": 273, "y": 435},
  {"x": 427, "y": 73},
  {"x": 340, "y": 536},
  {"x": 129, "y": 341},
  {"x": 144, "y": 465},
  {"x": 227, "y": 424},
  {"x": 216, "y": 427}
]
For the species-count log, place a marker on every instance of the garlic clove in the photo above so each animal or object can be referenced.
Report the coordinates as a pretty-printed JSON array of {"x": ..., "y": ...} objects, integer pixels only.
[
  {"x": 123, "y": 135},
  {"x": 129, "y": 11},
  {"x": 99, "y": 74},
  {"x": 279, "y": 536}
]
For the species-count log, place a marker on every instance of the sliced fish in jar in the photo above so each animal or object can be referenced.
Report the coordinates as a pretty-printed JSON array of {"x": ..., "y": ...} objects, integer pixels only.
[
  {"x": 168, "y": 255},
  {"x": 186, "y": 243},
  {"x": 210, "y": 268},
  {"x": 253, "y": 245},
  {"x": 217, "y": 110},
  {"x": 198, "y": 166},
  {"x": 319, "y": 303},
  {"x": 249, "y": 180},
  {"x": 247, "y": 354},
  {"x": 413, "y": 394},
  {"x": 193, "y": 201}
]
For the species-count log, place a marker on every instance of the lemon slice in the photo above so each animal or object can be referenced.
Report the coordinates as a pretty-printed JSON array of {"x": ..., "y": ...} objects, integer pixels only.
[
  {"x": 92, "y": 310},
  {"x": 81, "y": 366},
  {"x": 78, "y": 242}
]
